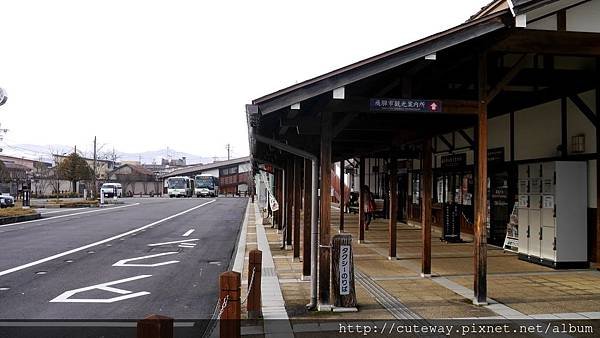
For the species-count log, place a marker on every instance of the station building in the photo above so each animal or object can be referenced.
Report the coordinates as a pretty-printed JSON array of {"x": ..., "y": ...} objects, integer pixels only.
[{"x": 462, "y": 129}]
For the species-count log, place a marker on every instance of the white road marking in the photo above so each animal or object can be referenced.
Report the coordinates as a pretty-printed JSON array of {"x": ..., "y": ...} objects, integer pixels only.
[
  {"x": 174, "y": 242},
  {"x": 43, "y": 212},
  {"x": 187, "y": 233},
  {"x": 126, "y": 294},
  {"x": 123, "y": 262},
  {"x": 75, "y": 214},
  {"x": 43, "y": 260},
  {"x": 186, "y": 245}
]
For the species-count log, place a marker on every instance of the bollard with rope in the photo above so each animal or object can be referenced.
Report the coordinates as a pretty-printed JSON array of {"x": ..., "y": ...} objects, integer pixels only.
[
  {"x": 254, "y": 284},
  {"x": 230, "y": 306}
]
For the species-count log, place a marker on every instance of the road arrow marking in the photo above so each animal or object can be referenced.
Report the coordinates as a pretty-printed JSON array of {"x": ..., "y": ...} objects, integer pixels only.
[
  {"x": 174, "y": 242},
  {"x": 187, "y": 233},
  {"x": 123, "y": 262},
  {"x": 126, "y": 294}
]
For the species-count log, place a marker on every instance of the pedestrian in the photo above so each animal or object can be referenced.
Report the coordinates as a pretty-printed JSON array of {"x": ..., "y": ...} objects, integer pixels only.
[{"x": 369, "y": 206}]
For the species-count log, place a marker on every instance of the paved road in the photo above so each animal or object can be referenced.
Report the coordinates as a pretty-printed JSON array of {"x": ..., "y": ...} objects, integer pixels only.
[{"x": 41, "y": 261}]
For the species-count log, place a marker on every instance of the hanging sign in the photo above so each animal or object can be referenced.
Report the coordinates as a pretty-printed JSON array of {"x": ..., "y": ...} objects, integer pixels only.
[
  {"x": 406, "y": 105},
  {"x": 454, "y": 160},
  {"x": 495, "y": 155}
]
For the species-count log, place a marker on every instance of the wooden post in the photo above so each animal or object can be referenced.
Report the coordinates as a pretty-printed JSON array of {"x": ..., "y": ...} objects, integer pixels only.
[
  {"x": 480, "y": 240},
  {"x": 254, "y": 305},
  {"x": 361, "y": 201},
  {"x": 280, "y": 199},
  {"x": 342, "y": 195},
  {"x": 343, "y": 292},
  {"x": 393, "y": 207},
  {"x": 325, "y": 225},
  {"x": 297, "y": 205},
  {"x": 306, "y": 245},
  {"x": 289, "y": 202},
  {"x": 426, "y": 209},
  {"x": 229, "y": 323},
  {"x": 155, "y": 326}
]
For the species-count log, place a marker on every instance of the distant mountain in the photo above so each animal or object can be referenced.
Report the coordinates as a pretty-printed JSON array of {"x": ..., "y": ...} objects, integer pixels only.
[{"x": 44, "y": 152}]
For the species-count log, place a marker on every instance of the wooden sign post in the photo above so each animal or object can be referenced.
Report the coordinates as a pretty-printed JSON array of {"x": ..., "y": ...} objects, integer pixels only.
[{"x": 343, "y": 292}]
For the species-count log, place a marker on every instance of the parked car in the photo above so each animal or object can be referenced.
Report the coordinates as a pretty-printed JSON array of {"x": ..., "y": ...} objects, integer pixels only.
[{"x": 7, "y": 201}]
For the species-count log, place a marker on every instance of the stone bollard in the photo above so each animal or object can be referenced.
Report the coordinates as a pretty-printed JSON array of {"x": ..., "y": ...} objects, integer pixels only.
[
  {"x": 229, "y": 297},
  {"x": 254, "y": 304},
  {"x": 155, "y": 326}
]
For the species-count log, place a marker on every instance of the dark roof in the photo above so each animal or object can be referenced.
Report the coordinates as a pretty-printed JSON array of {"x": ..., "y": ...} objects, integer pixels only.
[
  {"x": 201, "y": 167},
  {"x": 136, "y": 168},
  {"x": 387, "y": 60}
]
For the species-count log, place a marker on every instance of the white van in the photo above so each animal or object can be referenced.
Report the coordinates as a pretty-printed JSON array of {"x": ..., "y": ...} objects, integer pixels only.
[{"x": 110, "y": 189}]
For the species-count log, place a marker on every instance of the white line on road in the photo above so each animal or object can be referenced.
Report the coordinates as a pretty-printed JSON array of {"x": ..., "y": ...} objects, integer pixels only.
[
  {"x": 43, "y": 260},
  {"x": 189, "y": 232},
  {"x": 62, "y": 216},
  {"x": 174, "y": 242},
  {"x": 126, "y": 294},
  {"x": 124, "y": 262}
]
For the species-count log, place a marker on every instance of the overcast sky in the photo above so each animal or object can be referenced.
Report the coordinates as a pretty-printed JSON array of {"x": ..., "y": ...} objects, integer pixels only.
[{"x": 143, "y": 75}]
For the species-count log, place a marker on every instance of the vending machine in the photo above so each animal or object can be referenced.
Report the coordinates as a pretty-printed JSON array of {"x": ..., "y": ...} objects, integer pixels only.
[{"x": 552, "y": 213}]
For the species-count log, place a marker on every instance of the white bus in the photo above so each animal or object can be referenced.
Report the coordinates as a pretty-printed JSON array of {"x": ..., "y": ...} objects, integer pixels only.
[
  {"x": 207, "y": 185},
  {"x": 179, "y": 186}
]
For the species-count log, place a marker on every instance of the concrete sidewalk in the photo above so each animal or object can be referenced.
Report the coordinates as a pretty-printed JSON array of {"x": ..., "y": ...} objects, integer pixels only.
[{"x": 393, "y": 289}]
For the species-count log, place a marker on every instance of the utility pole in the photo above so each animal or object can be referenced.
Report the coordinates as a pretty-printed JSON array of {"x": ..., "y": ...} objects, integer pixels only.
[
  {"x": 94, "y": 178},
  {"x": 228, "y": 147}
]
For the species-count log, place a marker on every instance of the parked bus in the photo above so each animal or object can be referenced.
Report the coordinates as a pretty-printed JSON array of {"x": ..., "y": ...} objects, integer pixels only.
[
  {"x": 207, "y": 185},
  {"x": 179, "y": 186}
]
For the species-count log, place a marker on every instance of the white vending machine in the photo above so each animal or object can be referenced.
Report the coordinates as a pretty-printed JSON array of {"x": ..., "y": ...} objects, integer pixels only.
[{"x": 552, "y": 206}]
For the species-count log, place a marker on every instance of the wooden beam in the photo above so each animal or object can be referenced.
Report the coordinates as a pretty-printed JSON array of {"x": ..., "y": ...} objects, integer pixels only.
[
  {"x": 561, "y": 20},
  {"x": 466, "y": 137},
  {"x": 393, "y": 207},
  {"x": 361, "y": 204},
  {"x": 325, "y": 225},
  {"x": 306, "y": 245},
  {"x": 508, "y": 77},
  {"x": 298, "y": 165},
  {"x": 446, "y": 142},
  {"x": 426, "y": 198},
  {"x": 584, "y": 109},
  {"x": 480, "y": 239},
  {"x": 343, "y": 123},
  {"x": 342, "y": 195},
  {"x": 550, "y": 42},
  {"x": 279, "y": 186}
]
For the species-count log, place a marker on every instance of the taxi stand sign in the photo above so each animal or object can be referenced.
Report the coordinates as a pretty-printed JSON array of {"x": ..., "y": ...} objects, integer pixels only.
[{"x": 406, "y": 105}]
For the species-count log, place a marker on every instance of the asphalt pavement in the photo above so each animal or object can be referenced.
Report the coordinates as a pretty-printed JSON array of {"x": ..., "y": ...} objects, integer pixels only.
[{"x": 118, "y": 264}]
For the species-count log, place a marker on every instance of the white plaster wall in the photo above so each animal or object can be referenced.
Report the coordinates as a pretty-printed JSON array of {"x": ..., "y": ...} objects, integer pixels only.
[
  {"x": 585, "y": 17},
  {"x": 537, "y": 131},
  {"x": 548, "y": 23},
  {"x": 577, "y": 123}
]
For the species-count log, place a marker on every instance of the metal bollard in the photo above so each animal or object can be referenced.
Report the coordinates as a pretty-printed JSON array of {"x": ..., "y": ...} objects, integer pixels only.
[
  {"x": 155, "y": 326},
  {"x": 229, "y": 297},
  {"x": 254, "y": 304}
]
